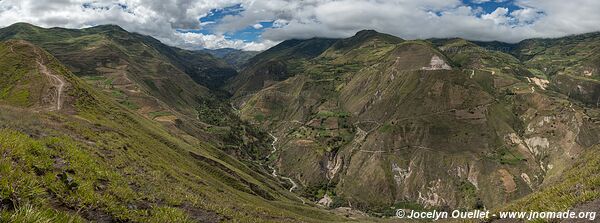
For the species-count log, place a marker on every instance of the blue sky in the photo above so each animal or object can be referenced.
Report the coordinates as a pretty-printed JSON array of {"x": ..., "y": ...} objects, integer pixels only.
[
  {"x": 492, "y": 5},
  {"x": 260, "y": 24},
  {"x": 213, "y": 18},
  {"x": 252, "y": 33}
]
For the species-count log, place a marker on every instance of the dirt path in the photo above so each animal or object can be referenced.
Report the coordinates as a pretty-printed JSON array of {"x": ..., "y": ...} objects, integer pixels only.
[
  {"x": 55, "y": 80},
  {"x": 395, "y": 150},
  {"x": 235, "y": 110}
]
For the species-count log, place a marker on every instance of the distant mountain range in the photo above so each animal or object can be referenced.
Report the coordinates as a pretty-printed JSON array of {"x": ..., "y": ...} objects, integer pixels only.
[
  {"x": 104, "y": 125},
  {"x": 234, "y": 57}
]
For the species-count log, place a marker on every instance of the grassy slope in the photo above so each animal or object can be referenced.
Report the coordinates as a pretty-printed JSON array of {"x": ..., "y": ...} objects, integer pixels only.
[
  {"x": 102, "y": 162},
  {"x": 18, "y": 85}
]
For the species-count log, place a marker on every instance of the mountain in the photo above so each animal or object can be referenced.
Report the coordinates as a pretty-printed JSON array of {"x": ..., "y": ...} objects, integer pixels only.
[
  {"x": 72, "y": 153},
  {"x": 234, "y": 57},
  {"x": 130, "y": 65},
  {"x": 276, "y": 64},
  {"x": 377, "y": 122}
]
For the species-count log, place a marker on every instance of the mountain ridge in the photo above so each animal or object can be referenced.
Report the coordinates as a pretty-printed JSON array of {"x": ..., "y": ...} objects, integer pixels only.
[{"x": 361, "y": 119}]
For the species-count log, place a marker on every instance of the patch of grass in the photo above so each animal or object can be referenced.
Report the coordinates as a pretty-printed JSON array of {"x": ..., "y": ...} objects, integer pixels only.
[
  {"x": 168, "y": 214},
  {"x": 19, "y": 78},
  {"x": 108, "y": 82},
  {"x": 30, "y": 214},
  {"x": 59, "y": 167},
  {"x": 386, "y": 128},
  {"x": 19, "y": 98},
  {"x": 469, "y": 192},
  {"x": 155, "y": 114},
  {"x": 130, "y": 104},
  {"x": 260, "y": 117},
  {"x": 118, "y": 94},
  {"x": 504, "y": 155}
]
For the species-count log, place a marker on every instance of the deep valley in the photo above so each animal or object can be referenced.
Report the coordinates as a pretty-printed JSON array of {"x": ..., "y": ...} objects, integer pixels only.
[{"x": 104, "y": 125}]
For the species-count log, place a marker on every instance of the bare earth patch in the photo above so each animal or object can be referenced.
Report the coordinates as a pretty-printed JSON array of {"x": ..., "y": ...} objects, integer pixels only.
[{"x": 507, "y": 181}]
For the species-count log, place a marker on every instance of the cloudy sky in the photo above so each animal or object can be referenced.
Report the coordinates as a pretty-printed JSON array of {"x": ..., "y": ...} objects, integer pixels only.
[{"x": 259, "y": 24}]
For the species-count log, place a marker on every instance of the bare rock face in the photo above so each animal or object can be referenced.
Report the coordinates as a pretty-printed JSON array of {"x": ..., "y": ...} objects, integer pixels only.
[
  {"x": 325, "y": 201},
  {"x": 437, "y": 63}
]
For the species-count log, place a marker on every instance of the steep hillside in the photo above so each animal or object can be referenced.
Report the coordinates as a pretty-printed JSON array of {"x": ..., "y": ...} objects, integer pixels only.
[
  {"x": 577, "y": 190},
  {"x": 203, "y": 68},
  {"x": 276, "y": 64},
  {"x": 376, "y": 122},
  {"x": 42, "y": 90},
  {"x": 72, "y": 154}
]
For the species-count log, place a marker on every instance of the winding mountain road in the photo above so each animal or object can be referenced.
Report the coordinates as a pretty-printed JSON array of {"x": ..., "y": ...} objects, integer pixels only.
[{"x": 55, "y": 80}]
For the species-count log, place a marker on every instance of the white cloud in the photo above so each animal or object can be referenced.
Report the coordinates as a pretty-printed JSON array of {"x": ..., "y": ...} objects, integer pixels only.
[
  {"x": 424, "y": 19},
  {"x": 526, "y": 15},
  {"x": 310, "y": 18},
  {"x": 499, "y": 16},
  {"x": 192, "y": 40},
  {"x": 158, "y": 18},
  {"x": 257, "y": 26}
]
